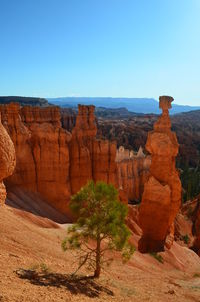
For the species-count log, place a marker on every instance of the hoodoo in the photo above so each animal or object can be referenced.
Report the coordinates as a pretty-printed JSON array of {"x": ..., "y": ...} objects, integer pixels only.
[
  {"x": 162, "y": 192},
  {"x": 90, "y": 158}
]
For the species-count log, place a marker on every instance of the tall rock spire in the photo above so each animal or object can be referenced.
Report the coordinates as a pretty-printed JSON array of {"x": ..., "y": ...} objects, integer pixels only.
[{"x": 162, "y": 192}]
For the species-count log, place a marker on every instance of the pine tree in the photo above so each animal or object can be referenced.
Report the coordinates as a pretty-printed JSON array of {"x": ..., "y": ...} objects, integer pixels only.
[{"x": 100, "y": 226}]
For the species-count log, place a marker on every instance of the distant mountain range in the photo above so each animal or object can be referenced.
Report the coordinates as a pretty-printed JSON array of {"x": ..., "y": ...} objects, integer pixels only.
[{"x": 137, "y": 105}]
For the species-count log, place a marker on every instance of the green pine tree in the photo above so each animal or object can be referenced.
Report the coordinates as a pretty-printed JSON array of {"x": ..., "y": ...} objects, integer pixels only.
[{"x": 100, "y": 226}]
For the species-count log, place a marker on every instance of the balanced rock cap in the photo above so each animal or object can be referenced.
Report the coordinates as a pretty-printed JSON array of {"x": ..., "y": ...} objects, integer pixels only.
[{"x": 165, "y": 102}]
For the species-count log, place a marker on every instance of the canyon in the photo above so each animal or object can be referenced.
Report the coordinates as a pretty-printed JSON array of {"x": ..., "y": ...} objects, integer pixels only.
[{"x": 58, "y": 151}]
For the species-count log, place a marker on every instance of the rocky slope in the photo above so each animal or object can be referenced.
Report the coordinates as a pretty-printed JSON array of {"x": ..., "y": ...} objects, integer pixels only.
[
  {"x": 190, "y": 231},
  {"x": 33, "y": 268}
]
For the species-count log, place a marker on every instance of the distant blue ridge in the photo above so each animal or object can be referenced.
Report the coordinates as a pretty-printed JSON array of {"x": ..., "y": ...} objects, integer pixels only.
[{"x": 137, "y": 105}]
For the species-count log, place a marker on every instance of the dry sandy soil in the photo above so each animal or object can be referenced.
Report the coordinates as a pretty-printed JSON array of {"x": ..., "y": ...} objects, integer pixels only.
[{"x": 30, "y": 247}]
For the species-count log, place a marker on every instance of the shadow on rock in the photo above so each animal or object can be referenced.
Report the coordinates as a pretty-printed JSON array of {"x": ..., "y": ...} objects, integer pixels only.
[{"x": 75, "y": 284}]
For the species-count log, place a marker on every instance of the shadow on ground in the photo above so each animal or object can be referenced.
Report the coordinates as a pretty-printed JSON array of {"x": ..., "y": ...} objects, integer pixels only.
[{"x": 75, "y": 284}]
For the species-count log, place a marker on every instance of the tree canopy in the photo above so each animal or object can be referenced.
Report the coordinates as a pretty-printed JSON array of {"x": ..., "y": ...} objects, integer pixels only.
[{"x": 100, "y": 226}]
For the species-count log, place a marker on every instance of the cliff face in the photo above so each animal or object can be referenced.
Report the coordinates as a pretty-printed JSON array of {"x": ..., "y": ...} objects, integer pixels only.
[
  {"x": 68, "y": 118},
  {"x": 42, "y": 152},
  {"x": 133, "y": 172},
  {"x": 162, "y": 192},
  {"x": 197, "y": 232},
  {"x": 7, "y": 160},
  {"x": 50, "y": 160}
]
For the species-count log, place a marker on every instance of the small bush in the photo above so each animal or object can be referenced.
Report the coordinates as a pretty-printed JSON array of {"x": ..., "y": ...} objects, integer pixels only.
[
  {"x": 196, "y": 275},
  {"x": 186, "y": 238},
  {"x": 42, "y": 267},
  {"x": 158, "y": 257}
]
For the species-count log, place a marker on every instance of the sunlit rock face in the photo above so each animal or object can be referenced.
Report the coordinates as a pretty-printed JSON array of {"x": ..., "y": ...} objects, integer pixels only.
[
  {"x": 50, "y": 160},
  {"x": 162, "y": 192},
  {"x": 90, "y": 158},
  {"x": 7, "y": 160},
  {"x": 55, "y": 163},
  {"x": 196, "y": 229},
  {"x": 42, "y": 152}
]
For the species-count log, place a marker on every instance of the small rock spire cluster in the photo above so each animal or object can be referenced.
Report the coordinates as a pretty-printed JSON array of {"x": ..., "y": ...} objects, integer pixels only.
[{"x": 162, "y": 192}]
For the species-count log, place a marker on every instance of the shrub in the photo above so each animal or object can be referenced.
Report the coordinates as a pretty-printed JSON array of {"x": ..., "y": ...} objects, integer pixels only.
[
  {"x": 158, "y": 257},
  {"x": 186, "y": 238}
]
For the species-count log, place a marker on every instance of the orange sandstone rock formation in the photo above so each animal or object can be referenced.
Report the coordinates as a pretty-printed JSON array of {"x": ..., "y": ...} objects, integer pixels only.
[
  {"x": 90, "y": 158},
  {"x": 53, "y": 164},
  {"x": 197, "y": 229},
  {"x": 50, "y": 160},
  {"x": 42, "y": 152},
  {"x": 133, "y": 172},
  {"x": 162, "y": 192},
  {"x": 81, "y": 145},
  {"x": 7, "y": 160}
]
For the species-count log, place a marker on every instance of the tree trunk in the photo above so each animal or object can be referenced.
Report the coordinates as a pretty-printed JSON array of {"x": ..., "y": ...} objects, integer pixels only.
[{"x": 98, "y": 259}]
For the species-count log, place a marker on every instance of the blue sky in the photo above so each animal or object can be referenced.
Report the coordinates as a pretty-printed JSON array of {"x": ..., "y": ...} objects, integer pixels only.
[{"x": 119, "y": 48}]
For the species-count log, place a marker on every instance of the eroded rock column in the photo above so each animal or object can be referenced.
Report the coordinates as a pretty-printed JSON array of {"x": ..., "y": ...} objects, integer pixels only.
[
  {"x": 90, "y": 158},
  {"x": 162, "y": 192}
]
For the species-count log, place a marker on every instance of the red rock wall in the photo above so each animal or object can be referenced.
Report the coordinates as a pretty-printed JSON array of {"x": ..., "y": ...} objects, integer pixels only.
[
  {"x": 7, "y": 160},
  {"x": 132, "y": 175},
  {"x": 191, "y": 213},
  {"x": 42, "y": 152},
  {"x": 197, "y": 231},
  {"x": 52, "y": 161}
]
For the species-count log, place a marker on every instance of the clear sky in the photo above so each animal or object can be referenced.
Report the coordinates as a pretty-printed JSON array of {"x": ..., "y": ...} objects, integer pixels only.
[{"x": 119, "y": 48}]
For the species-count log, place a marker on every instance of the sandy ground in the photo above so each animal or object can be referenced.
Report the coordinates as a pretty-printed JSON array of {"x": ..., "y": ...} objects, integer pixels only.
[{"x": 33, "y": 251}]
